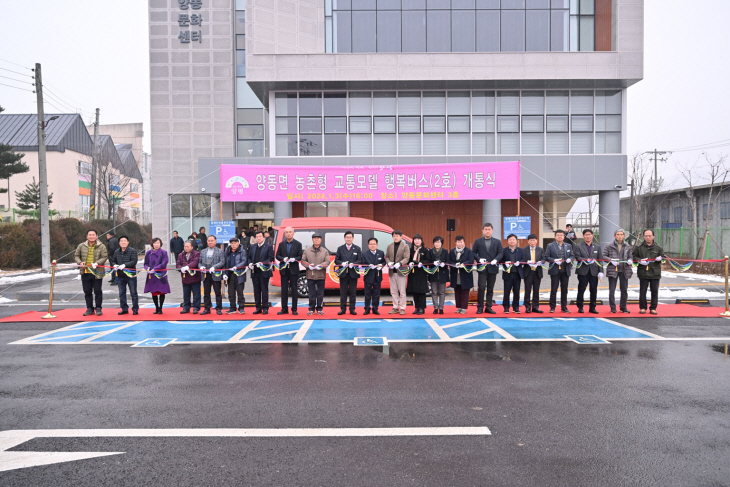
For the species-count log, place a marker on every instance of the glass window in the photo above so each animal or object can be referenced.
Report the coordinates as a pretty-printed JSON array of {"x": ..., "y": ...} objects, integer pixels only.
[
  {"x": 287, "y": 145},
  {"x": 608, "y": 102},
  {"x": 557, "y": 124},
  {"x": 335, "y": 125},
  {"x": 180, "y": 216},
  {"x": 360, "y": 125},
  {"x": 513, "y": 4},
  {"x": 587, "y": 33},
  {"x": 488, "y": 33},
  {"x": 724, "y": 211},
  {"x": 409, "y": 125},
  {"x": 389, "y": 5},
  {"x": 533, "y": 102},
  {"x": 608, "y": 143},
  {"x": 581, "y": 102},
  {"x": 439, "y": 4},
  {"x": 384, "y": 144},
  {"x": 463, "y": 4},
  {"x": 245, "y": 97},
  {"x": 310, "y": 125},
  {"x": 581, "y": 143},
  {"x": 459, "y": 144},
  {"x": 690, "y": 215},
  {"x": 557, "y": 143},
  {"x": 581, "y": 123},
  {"x": 310, "y": 104},
  {"x": 250, "y": 131},
  {"x": 463, "y": 31},
  {"x": 513, "y": 31},
  {"x": 240, "y": 22},
  {"x": 459, "y": 103},
  {"x": 333, "y": 239},
  {"x": 335, "y": 145},
  {"x": 363, "y": 31},
  {"x": 361, "y": 145},
  {"x": 438, "y": 31},
  {"x": 409, "y": 145},
  {"x": 532, "y": 123},
  {"x": 250, "y": 148},
  {"x": 384, "y": 239},
  {"x": 538, "y": 30},
  {"x": 304, "y": 236},
  {"x": 335, "y": 104},
  {"x": 201, "y": 210},
  {"x": 533, "y": 144},
  {"x": 434, "y": 125},
  {"x": 556, "y": 102},
  {"x": 508, "y": 144},
  {"x": 339, "y": 208},
  {"x": 482, "y": 103},
  {"x": 388, "y": 33},
  {"x": 286, "y": 125},
  {"x": 240, "y": 42},
  {"x": 311, "y": 145},
  {"x": 434, "y": 144},
  {"x": 434, "y": 103},
  {"x": 508, "y": 124},
  {"x": 414, "y": 31},
  {"x": 459, "y": 124},
  {"x": 482, "y": 124},
  {"x": 384, "y": 103},
  {"x": 483, "y": 143},
  {"x": 489, "y": 4},
  {"x": 608, "y": 123},
  {"x": 360, "y": 103},
  {"x": 537, "y": 4},
  {"x": 384, "y": 125},
  {"x": 315, "y": 209},
  {"x": 559, "y": 30},
  {"x": 414, "y": 4},
  {"x": 240, "y": 63},
  {"x": 342, "y": 36},
  {"x": 286, "y": 104},
  {"x": 508, "y": 103},
  {"x": 364, "y": 4},
  {"x": 409, "y": 103}
]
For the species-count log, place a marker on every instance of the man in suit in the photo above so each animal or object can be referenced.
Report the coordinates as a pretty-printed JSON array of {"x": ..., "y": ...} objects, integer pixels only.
[
  {"x": 289, "y": 252},
  {"x": 396, "y": 255},
  {"x": 375, "y": 259},
  {"x": 532, "y": 274},
  {"x": 212, "y": 259},
  {"x": 260, "y": 252},
  {"x": 560, "y": 254},
  {"x": 512, "y": 276},
  {"x": 487, "y": 250},
  {"x": 588, "y": 274},
  {"x": 348, "y": 256}
]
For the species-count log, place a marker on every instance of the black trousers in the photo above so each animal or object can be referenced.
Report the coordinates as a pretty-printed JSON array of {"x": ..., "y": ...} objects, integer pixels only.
[
  {"x": 348, "y": 289},
  {"x": 512, "y": 284},
  {"x": 235, "y": 291},
  {"x": 90, "y": 283},
  {"x": 624, "y": 286},
  {"x": 316, "y": 294},
  {"x": 208, "y": 282},
  {"x": 532, "y": 290},
  {"x": 560, "y": 279},
  {"x": 260, "y": 290},
  {"x": 372, "y": 295},
  {"x": 419, "y": 300},
  {"x": 486, "y": 283},
  {"x": 461, "y": 296},
  {"x": 288, "y": 282},
  {"x": 585, "y": 281},
  {"x": 652, "y": 284}
]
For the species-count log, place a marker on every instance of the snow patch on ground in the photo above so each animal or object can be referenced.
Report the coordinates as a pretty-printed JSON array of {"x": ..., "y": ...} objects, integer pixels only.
[
  {"x": 4, "y": 300},
  {"x": 34, "y": 277},
  {"x": 693, "y": 277}
]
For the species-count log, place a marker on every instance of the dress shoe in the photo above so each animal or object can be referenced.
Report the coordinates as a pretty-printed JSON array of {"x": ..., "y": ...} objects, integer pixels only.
[
  {"x": 552, "y": 310},
  {"x": 593, "y": 311},
  {"x": 506, "y": 310},
  {"x": 479, "y": 310},
  {"x": 266, "y": 311},
  {"x": 535, "y": 310},
  {"x": 257, "y": 312},
  {"x": 516, "y": 310},
  {"x": 219, "y": 312},
  {"x": 435, "y": 311},
  {"x": 528, "y": 310},
  {"x": 490, "y": 311},
  {"x": 353, "y": 312},
  {"x": 196, "y": 311},
  {"x": 341, "y": 312},
  {"x": 366, "y": 312},
  {"x": 376, "y": 312},
  {"x": 184, "y": 311},
  {"x": 283, "y": 312},
  {"x": 123, "y": 312},
  {"x": 441, "y": 311},
  {"x": 580, "y": 310},
  {"x": 231, "y": 311},
  {"x": 89, "y": 312},
  {"x": 294, "y": 312},
  {"x": 135, "y": 312},
  {"x": 99, "y": 313},
  {"x": 613, "y": 309},
  {"x": 565, "y": 310},
  {"x": 625, "y": 310},
  {"x": 206, "y": 311}
]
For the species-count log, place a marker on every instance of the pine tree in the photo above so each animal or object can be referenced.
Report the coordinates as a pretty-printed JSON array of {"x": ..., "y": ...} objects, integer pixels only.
[
  {"x": 30, "y": 197},
  {"x": 10, "y": 164}
]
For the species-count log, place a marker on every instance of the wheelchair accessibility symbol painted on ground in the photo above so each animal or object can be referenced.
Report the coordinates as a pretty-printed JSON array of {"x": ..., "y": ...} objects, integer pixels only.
[
  {"x": 155, "y": 342},
  {"x": 371, "y": 342},
  {"x": 586, "y": 339}
]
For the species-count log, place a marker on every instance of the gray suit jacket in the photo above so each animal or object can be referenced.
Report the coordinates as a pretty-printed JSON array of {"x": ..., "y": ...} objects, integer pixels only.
[
  {"x": 218, "y": 261},
  {"x": 581, "y": 253}
]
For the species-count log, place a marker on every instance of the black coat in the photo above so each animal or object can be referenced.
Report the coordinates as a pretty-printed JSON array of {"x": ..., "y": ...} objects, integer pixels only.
[
  {"x": 239, "y": 260},
  {"x": 509, "y": 256},
  {"x": 418, "y": 278},
  {"x": 353, "y": 256},
  {"x": 374, "y": 275},
  {"x": 266, "y": 256},
  {"x": 494, "y": 252},
  {"x": 467, "y": 258},
  {"x": 177, "y": 245},
  {"x": 295, "y": 253},
  {"x": 127, "y": 258},
  {"x": 539, "y": 255},
  {"x": 112, "y": 246},
  {"x": 442, "y": 275}
]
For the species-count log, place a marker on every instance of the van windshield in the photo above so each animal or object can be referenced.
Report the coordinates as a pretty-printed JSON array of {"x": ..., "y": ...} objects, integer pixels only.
[{"x": 334, "y": 238}]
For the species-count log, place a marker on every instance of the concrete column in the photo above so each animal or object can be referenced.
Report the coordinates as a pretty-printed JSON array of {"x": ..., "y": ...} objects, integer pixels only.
[
  {"x": 282, "y": 210},
  {"x": 492, "y": 213},
  {"x": 609, "y": 209}
]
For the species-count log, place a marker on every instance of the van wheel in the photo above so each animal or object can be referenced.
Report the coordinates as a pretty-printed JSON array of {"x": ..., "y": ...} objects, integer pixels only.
[{"x": 302, "y": 290}]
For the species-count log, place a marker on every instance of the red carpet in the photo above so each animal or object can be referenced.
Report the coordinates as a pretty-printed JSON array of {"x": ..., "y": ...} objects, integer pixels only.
[{"x": 173, "y": 314}]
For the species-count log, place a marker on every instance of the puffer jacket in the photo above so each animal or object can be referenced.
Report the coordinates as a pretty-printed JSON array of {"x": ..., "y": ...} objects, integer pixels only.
[
  {"x": 319, "y": 257},
  {"x": 610, "y": 252},
  {"x": 237, "y": 259},
  {"x": 646, "y": 252},
  {"x": 127, "y": 258},
  {"x": 100, "y": 256}
]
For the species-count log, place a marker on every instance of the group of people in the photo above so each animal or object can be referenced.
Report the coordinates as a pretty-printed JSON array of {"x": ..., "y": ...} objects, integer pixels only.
[
  {"x": 413, "y": 269},
  {"x": 246, "y": 238}
]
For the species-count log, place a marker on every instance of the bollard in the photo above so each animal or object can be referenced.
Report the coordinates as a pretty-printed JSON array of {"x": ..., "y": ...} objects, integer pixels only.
[
  {"x": 727, "y": 288},
  {"x": 50, "y": 296}
]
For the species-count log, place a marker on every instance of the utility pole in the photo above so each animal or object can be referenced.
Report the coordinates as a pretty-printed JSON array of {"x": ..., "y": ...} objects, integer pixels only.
[
  {"x": 42, "y": 175},
  {"x": 655, "y": 181},
  {"x": 94, "y": 161}
]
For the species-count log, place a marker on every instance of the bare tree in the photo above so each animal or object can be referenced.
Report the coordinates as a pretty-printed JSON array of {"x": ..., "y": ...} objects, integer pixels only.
[
  {"x": 714, "y": 177},
  {"x": 640, "y": 172},
  {"x": 113, "y": 186}
]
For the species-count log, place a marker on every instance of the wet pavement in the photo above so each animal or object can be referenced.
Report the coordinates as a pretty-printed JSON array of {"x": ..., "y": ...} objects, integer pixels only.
[{"x": 641, "y": 412}]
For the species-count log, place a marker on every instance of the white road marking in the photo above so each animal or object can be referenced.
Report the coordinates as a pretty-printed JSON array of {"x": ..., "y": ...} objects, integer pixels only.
[
  {"x": 246, "y": 329},
  {"x": 607, "y": 320},
  {"x": 302, "y": 331},
  {"x": 496, "y": 328},
  {"x": 437, "y": 329},
  {"x": 109, "y": 332},
  {"x": 12, "y": 460}
]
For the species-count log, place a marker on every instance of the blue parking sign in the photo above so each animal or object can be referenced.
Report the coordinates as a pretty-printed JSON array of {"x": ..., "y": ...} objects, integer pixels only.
[
  {"x": 519, "y": 225},
  {"x": 223, "y": 230}
]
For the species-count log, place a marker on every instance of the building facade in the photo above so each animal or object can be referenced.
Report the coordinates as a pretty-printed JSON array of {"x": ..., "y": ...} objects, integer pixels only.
[{"x": 392, "y": 82}]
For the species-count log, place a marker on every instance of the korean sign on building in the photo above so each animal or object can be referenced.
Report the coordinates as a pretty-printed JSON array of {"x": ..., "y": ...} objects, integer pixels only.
[
  {"x": 467, "y": 181},
  {"x": 189, "y": 21}
]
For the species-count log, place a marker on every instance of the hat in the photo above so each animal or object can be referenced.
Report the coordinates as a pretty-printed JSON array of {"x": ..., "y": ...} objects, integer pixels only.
[{"x": 316, "y": 235}]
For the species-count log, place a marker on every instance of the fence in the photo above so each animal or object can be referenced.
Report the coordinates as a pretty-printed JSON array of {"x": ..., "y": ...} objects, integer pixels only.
[{"x": 682, "y": 243}]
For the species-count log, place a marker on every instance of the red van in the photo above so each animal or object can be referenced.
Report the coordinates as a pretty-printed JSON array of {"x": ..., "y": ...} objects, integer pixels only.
[{"x": 333, "y": 231}]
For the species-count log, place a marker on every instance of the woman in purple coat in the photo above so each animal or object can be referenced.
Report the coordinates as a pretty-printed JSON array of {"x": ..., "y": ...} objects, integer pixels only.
[{"x": 155, "y": 261}]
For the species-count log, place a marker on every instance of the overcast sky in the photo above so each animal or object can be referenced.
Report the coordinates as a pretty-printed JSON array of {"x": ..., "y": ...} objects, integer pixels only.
[{"x": 95, "y": 54}]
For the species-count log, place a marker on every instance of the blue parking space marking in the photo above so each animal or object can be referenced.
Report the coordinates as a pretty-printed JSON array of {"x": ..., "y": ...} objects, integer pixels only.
[
  {"x": 370, "y": 342},
  {"x": 586, "y": 339},
  {"x": 154, "y": 342},
  {"x": 341, "y": 331}
]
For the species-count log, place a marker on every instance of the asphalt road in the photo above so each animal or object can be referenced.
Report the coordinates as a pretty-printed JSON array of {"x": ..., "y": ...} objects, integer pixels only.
[{"x": 628, "y": 413}]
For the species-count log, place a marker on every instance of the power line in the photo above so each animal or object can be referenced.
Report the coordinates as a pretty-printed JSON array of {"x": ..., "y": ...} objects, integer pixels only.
[
  {"x": 58, "y": 94},
  {"x": 54, "y": 106},
  {"x": 16, "y": 72},
  {"x": 18, "y": 80},
  {"x": 16, "y": 87},
  {"x": 16, "y": 64},
  {"x": 701, "y": 146}
]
